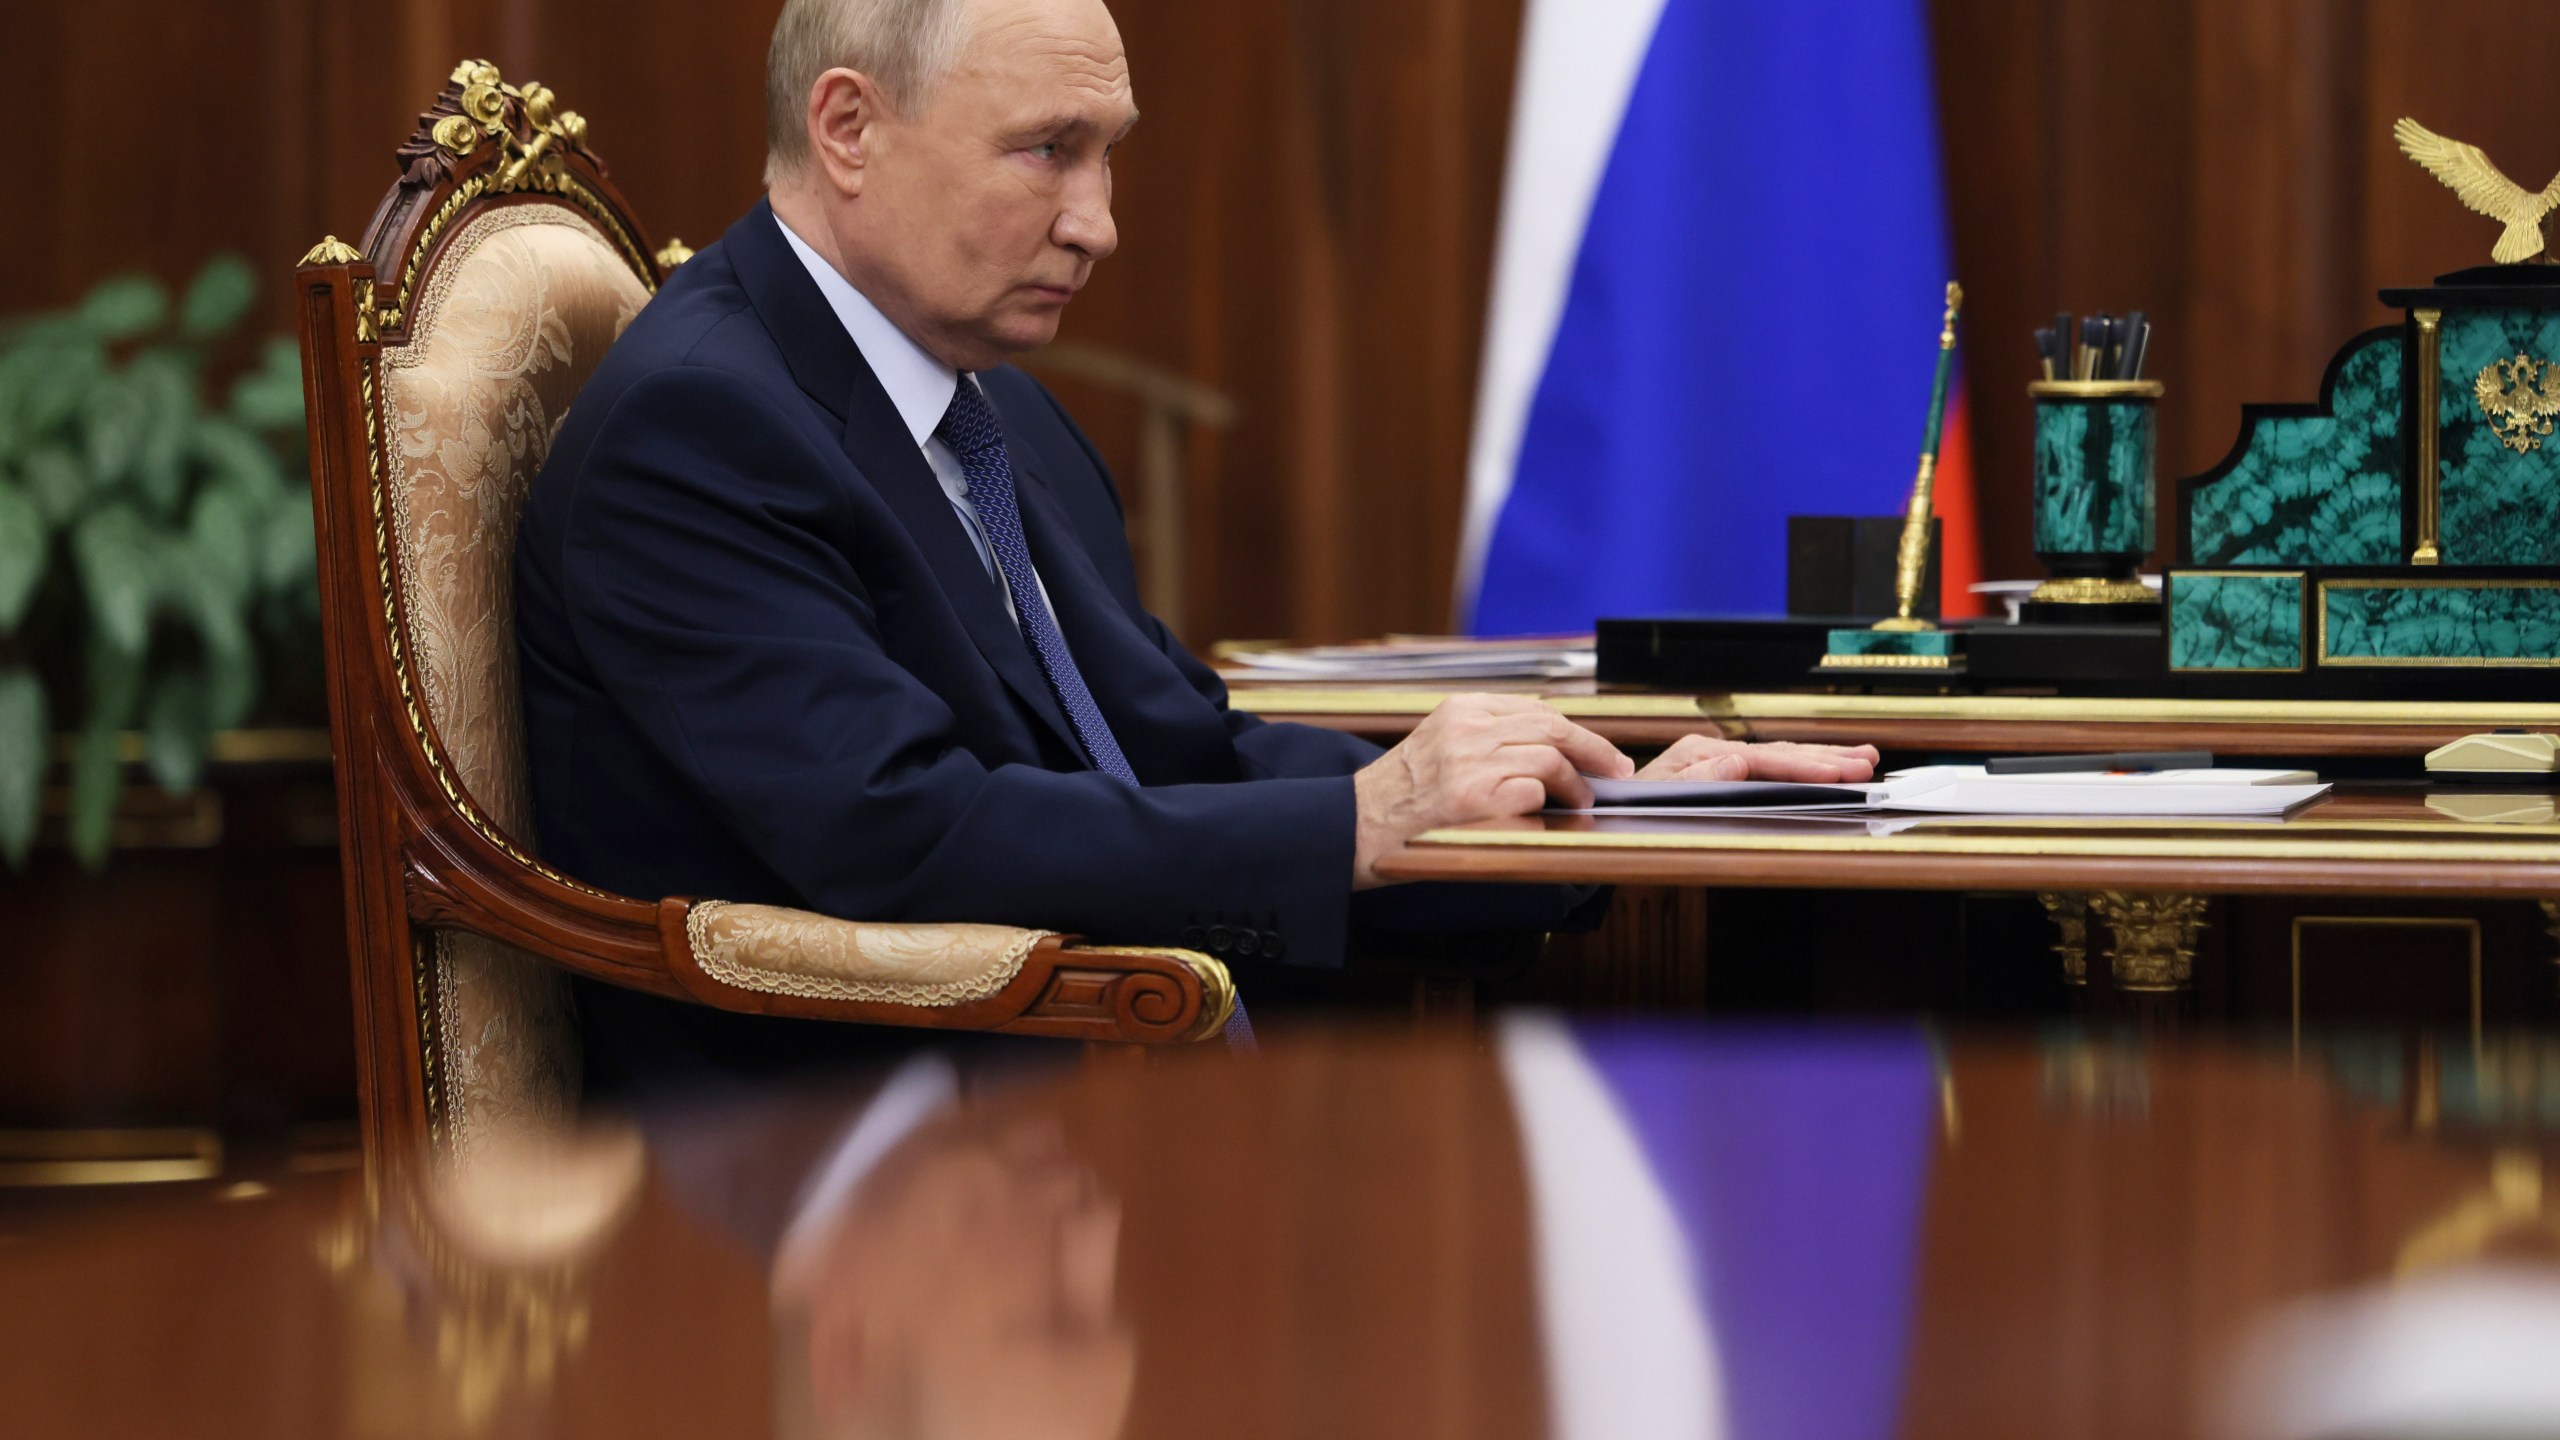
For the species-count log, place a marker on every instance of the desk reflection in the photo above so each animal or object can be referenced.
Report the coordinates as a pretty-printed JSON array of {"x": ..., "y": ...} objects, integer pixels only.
[{"x": 1555, "y": 1229}]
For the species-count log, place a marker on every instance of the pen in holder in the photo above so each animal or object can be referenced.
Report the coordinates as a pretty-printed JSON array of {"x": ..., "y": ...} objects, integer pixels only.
[{"x": 2097, "y": 442}]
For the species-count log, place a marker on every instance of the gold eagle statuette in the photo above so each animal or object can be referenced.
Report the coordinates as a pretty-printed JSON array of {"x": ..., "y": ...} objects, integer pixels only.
[{"x": 2484, "y": 188}]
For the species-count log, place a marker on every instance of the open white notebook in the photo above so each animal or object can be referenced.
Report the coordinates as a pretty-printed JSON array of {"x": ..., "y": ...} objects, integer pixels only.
[{"x": 1969, "y": 790}]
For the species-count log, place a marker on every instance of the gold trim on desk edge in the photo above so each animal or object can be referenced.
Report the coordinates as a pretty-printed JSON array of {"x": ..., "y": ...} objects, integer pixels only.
[
  {"x": 1780, "y": 705},
  {"x": 2431, "y": 854}
]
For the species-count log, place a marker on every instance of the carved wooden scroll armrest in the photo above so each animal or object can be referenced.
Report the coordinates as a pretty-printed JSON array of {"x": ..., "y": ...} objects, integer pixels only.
[{"x": 771, "y": 960}]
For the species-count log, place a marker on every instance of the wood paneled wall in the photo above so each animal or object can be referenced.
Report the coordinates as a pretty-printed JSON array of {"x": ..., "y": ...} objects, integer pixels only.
[
  {"x": 2226, "y": 165},
  {"x": 1307, "y": 211}
]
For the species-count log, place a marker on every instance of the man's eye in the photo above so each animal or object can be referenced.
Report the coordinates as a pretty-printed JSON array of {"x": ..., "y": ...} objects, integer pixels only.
[{"x": 1048, "y": 151}]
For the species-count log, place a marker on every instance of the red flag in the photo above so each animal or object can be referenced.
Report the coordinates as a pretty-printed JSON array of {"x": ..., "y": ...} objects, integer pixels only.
[{"x": 1960, "y": 532}]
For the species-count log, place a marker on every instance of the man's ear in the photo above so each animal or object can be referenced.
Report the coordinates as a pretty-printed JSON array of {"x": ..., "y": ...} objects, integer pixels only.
[{"x": 844, "y": 115}]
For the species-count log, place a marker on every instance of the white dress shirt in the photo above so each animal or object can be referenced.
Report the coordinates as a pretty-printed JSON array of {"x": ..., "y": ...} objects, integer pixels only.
[{"x": 920, "y": 387}]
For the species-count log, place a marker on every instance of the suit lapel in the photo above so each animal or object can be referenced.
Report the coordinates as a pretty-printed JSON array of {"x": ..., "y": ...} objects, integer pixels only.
[
  {"x": 898, "y": 470},
  {"x": 829, "y": 366}
]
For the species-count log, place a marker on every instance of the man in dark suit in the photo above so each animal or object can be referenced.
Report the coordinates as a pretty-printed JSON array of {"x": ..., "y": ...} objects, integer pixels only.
[{"x": 820, "y": 604}]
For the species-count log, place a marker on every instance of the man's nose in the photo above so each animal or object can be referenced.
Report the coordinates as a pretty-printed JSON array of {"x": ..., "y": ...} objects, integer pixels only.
[{"x": 1085, "y": 224}]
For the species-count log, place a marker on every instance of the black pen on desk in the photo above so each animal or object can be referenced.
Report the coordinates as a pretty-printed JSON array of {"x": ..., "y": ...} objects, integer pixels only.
[
  {"x": 2129, "y": 349},
  {"x": 2141, "y": 348},
  {"x": 2047, "y": 349},
  {"x": 2129, "y": 760}
]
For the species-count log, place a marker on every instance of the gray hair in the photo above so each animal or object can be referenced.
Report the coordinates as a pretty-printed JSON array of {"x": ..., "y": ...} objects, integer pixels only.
[{"x": 905, "y": 45}]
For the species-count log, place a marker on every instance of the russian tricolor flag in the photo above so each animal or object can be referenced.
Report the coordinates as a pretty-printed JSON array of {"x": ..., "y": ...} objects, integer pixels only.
[
  {"x": 1727, "y": 1230},
  {"x": 1716, "y": 301}
]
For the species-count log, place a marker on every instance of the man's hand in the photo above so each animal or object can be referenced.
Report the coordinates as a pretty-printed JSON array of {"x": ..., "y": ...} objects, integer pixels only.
[
  {"x": 1704, "y": 757},
  {"x": 1476, "y": 757}
]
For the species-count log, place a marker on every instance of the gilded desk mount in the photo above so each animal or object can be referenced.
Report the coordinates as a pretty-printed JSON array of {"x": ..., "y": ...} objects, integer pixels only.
[{"x": 2520, "y": 395}]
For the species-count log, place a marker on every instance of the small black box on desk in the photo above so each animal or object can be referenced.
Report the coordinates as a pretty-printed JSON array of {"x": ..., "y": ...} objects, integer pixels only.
[{"x": 1711, "y": 653}]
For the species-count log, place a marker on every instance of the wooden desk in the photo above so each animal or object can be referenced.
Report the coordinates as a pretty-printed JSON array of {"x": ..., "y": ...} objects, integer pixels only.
[
  {"x": 1963, "y": 724},
  {"x": 2360, "y": 840},
  {"x": 2398, "y": 915},
  {"x": 2371, "y": 873},
  {"x": 2059, "y": 1235}
]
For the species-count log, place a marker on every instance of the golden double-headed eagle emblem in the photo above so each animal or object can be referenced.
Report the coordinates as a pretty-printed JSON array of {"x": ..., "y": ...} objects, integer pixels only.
[
  {"x": 2485, "y": 188},
  {"x": 2521, "y": 396}
]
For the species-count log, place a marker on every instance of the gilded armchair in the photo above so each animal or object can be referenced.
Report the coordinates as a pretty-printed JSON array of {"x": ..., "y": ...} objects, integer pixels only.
[{"x": 440, "y": 358}]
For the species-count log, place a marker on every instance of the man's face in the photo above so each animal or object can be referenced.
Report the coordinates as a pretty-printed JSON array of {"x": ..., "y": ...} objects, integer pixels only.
[
  {"x": 983, "y": 212},
  {"x": 972, "y": 1290}
]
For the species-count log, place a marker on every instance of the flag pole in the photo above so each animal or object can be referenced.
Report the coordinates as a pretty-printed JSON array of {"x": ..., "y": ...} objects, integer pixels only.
[{"x": 1911, "y": 563}]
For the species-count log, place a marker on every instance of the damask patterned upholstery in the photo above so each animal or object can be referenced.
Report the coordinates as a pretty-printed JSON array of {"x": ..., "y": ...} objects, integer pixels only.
[
  {"x": 507, "y": 326},
  {"x": 793, "y": 952}
]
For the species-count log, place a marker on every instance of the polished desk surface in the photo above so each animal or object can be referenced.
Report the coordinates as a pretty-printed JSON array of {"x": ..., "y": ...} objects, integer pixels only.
[
  {"x": 1976, "y": 724},
  {"x": 2362, "y": 838},
  {"x": 1587, "y": 1230}
]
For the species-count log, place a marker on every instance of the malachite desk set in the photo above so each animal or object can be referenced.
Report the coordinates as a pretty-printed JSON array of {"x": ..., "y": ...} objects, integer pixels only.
[{"x": 2399, "y": 537}]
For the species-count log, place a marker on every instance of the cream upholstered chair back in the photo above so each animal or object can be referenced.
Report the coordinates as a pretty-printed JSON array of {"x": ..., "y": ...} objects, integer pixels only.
[{"x": 506, "y": 322}]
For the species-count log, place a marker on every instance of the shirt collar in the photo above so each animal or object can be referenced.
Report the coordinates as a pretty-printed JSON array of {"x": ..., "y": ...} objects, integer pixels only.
[{"x": 919, "y": 385}]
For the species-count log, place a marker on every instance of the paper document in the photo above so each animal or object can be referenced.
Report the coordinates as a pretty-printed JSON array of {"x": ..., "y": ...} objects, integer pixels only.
[
  {"x": 1420, "y": 659},
  {"x": 1967, "y": 790}
]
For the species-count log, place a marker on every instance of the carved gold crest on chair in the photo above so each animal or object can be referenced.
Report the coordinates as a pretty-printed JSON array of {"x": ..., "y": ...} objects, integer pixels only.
[
  {"x": 2521, "y": 396},
  {"x": 2486, "y": 189},
  {"x": 527, "y": 123}
]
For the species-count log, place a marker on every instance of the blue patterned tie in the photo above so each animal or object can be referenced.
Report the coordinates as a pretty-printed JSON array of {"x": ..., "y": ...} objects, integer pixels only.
[{"x": 969, "y": 427}]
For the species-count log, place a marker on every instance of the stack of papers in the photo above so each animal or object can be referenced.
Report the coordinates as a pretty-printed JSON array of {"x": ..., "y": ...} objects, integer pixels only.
[
  {"x": 1970, "y": 790},
  {"x": 1425, "y": 658}
]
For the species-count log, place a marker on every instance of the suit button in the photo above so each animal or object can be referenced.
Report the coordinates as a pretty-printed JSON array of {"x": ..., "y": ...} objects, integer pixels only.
[
  {"x": 1272, "y": 945},
  {"x": 1194, "y": 938},
  {"x": 1218, "y": 938}
]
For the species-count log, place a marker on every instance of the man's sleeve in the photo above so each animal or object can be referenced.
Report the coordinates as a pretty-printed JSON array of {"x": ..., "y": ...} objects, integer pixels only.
[{"x": 710, "y": 585}]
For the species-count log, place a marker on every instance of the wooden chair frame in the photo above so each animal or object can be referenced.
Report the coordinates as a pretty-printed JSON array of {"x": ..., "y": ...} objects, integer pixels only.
[{"x": 418, "y": 854}]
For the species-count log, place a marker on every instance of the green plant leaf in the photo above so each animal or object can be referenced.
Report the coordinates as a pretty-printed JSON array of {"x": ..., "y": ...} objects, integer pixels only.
[
  {"x": 287, "y": 558},
  {"x": 236, "y": 456},
  {"x": 270, "y": 397},
  {"x": 112, "y": 415},
  {"x": 54, "y": 386},
  {"x": 25, "y": 753},
  {"x": 57, "y": 482},
  {"x": 124, "y": 307},
  {"x": 177, "y": 729},
  {"x": 218, "y": 298},
  {"x": 97, "y": 782},
  {"x": 163, "y": 383},
  {"x": 206, "y": 600},
  {"x": 115, "y": 684},
  {"x": 24, "y": 539},
  {"x": 231, "y": 691},
  {"x": 222, "y": 533},
  {"x": 117, "y": 555}
]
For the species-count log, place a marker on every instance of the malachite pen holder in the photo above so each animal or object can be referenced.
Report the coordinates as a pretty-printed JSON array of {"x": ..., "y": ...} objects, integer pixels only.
[{"x": 2097, "y": 450}]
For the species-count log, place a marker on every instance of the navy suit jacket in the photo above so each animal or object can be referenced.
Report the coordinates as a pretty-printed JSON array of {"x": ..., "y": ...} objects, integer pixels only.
[{"x": 762, "y": 661}]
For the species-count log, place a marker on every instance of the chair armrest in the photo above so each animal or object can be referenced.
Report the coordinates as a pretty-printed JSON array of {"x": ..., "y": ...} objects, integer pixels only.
[{"x": 774, "y": 960}]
